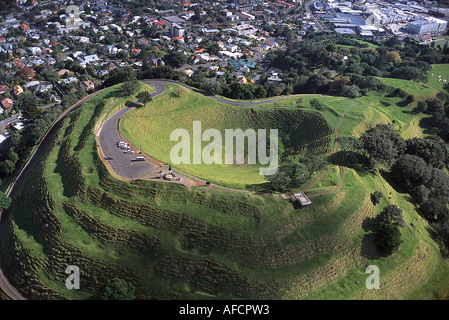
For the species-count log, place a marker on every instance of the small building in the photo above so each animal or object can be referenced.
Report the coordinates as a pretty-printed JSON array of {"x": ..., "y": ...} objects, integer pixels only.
[
  {"x": 87, "y": 85},
  {"x": 7, "y": 104},
  {"x": 301, "y": 198},
  {"x": 17, "y": 89},
  {"x": 3, "y": 89}
]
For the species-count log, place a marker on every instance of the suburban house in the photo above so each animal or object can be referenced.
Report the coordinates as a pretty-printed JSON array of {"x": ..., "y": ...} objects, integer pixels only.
[
  {"x": 17, "y": 89},
  {"x": 7, "y": 104},
  {"x": 64, "y": 71},
  {"x": 87, "y": 85},
  {"x": 43, "y": 87}
]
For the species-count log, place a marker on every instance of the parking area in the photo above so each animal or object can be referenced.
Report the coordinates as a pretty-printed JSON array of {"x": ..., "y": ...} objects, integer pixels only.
[{"x": 122, "y": 158}]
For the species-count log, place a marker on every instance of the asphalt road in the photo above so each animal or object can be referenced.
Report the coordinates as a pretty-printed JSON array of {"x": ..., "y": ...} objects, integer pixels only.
[{"x": 123, "y": 164}]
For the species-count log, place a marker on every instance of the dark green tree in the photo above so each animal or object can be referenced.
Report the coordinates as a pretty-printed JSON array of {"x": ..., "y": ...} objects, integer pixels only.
[
  {"x": 130, "y": 86},
  {"x": 176, "y": 59},
  {"x": 391, "y": 214},
  {"x": 7, "y": 167},
  {"x": 280, "y": 180},
  {"x": 412, "y": 170},
  {"x": 387, "y": 238},
  {"x": 144, "y": 97},
  {"x": 117, "y": 289},
  {"x": 376, "y": 196},
  {"x": 5, "y": 201}
]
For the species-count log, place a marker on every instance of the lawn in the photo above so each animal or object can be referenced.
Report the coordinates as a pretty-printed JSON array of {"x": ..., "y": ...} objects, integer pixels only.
[
  {"x": 438, "y": 70},
  {"x": 151, "y": 128}
]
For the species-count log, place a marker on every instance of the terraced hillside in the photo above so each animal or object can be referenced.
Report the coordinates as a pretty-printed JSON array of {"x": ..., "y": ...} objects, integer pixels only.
[{"x": 171, "y": 242}]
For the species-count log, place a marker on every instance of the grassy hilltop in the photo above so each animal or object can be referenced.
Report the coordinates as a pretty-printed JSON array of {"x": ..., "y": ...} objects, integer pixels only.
[{"x": 209, "y": 243}]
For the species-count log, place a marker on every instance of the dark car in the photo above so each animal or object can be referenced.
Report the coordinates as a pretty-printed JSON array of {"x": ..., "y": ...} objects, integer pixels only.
[{"x": 108, "y": 158}]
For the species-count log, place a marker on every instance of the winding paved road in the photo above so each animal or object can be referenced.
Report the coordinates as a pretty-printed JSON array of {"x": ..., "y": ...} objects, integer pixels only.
[{"x": 124, "y": 164}]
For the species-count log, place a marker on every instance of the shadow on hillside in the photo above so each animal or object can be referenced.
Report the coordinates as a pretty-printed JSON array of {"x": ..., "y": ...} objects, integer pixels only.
[
  {"x": 349, "y": 159},
  {"x": 403, "y": 103},
  {"x": 260, "y": 188},
  {"x": 369, "y": 224},
  {"x": 396, "y": 185},
  {"x": 368, "y": 248},
  {"x": 426, "y": 124}
]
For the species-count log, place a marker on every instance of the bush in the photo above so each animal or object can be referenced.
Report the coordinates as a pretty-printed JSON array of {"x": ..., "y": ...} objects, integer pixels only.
[
  {"x": 387, "y": 238},
  {"x": 376, "y": 196}
]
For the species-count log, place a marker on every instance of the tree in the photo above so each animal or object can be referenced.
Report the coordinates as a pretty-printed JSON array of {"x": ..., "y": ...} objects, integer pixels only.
[
  {"x": 29, "y": 105},
  {"x": 213, "y": 49},
  {"x": 431, "y": 149},
  {"x": 391, "y": 214},
  {"x": 316, "y": 104},
  {"x": 7, "y": 167},
  {"x": 118, "y": 289},
  {"x": 376, "y": 196},
  {"x": 130, "y": 86},
  {"x": 412, "y": 170},
  {"x": 393, "y": 57},
  {"x": 119, "y": 75},
  {"x": 176, "y": 59},
  {"x": 383, "y": 144},
  {"x": 351, "y": 91},
  {"x": 301, "y": 175},
  {"x": 12, "y": 156},
  {"x": 212, "y": 86},
  {"x": 387, "y": 238},
  {"x": 144, "y": 97},
  {"x": 280, "y": 180},
  {"x": 5, "y": 201},
  {"x": 435, "y": 210},
  {"x": 422, "y": 106}
]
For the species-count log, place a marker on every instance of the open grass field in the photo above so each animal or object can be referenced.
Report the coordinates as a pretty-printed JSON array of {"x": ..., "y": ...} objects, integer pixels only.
[
  {"x": 150, "y": 128},
  {"x": 210, "y": 243},
  {"x": 438, "y": 70}
]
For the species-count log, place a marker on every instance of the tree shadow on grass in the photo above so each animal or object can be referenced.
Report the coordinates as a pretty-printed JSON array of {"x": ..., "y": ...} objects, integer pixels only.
[
  {"x": 368, "y": 248},
  {"x": 349, "y": 159},
  {"x": 427, "y": 124},
  {"x": 394, "y": 183},
  {"x": 260, "y": 188}
]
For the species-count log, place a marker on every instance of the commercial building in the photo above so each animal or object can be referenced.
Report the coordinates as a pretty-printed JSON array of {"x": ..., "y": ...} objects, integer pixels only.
[{"x": 422, "y": 27}]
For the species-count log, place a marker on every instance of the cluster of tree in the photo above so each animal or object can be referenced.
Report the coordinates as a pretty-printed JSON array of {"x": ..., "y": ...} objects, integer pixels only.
[
  {"x": 418, "y": 165},
  {"x": 294, "y": 174},
  {"x": 7, "y": 4},
  {"x": 306, "y": 64},
  {"x": 438, "y": 108},
  {"x": 17, "y": 147}
]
